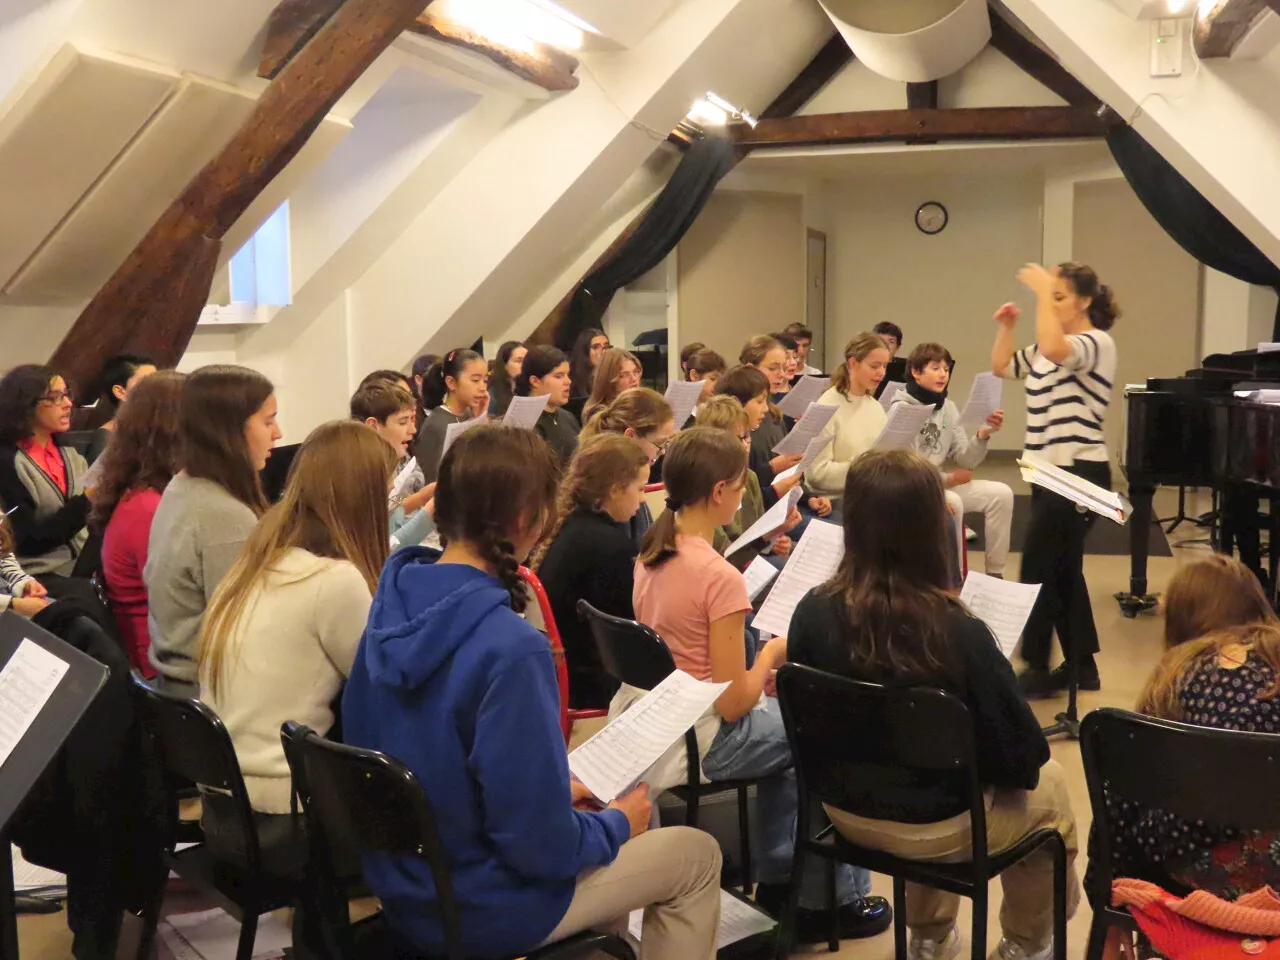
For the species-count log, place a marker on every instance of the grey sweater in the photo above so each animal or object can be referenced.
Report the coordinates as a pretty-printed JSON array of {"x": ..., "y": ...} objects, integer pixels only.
[
  {"x": 198, "y": 531},
  {"x": 429, "y": 446},
  {"x": 48, "y": 525},
  {"x": 942, "y": 438}
]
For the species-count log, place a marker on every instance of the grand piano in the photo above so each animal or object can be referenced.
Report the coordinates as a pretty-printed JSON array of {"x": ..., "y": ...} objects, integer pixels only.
[{"x": 1193, "y": 431}]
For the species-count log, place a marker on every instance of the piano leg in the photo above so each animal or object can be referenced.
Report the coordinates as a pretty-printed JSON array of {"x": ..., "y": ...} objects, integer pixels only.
[{"x": 1137, "y": 600}]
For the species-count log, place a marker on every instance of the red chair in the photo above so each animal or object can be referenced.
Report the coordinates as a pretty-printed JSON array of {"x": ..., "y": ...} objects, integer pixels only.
[
  {"x": 654, "y": 488},
  {"x": 548, "y": 626}
]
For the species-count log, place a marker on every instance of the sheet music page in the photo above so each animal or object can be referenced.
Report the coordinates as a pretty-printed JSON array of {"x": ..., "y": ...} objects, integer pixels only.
[
  {"x": 214, "y": 935},
  {"x": 815, "y": 447},
  {"x": 902, "y": 427},
  {"x": 26, "y": 684},
  {"x": 28, "y": 877},
  {"x": 1268, "y": 347},
  {"x": 738, "y": 921},
  {"x": 524, "y": 412},
  {"x": 1002, "y": 605},
  {"x": 772, "y": 519},
  {"x": 890, "y": 390},
  {"x": 807, "y": 391},
  {"x": 984, "y": 400},
  {"x": 454, "y": 430},
  {"x": 402, "y": 479},
  {"x": 683, "y": 396},
  {"x": 813, "y": 560},
  {"x": 758, "y": 575},
  {"x": 811, "y": 424},
  {"x": 1107, "y": 503},
  {"x": 616, "y": 758}
]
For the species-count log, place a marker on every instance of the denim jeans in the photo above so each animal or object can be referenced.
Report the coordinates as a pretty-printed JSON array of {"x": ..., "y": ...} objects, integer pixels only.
[{"x": 756, "y": 746}]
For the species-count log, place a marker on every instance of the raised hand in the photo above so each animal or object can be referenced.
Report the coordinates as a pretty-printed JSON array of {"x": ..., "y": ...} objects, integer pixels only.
[
  {"x": 1036, "y": 278},
  {"x": 1008, "y": 314}
]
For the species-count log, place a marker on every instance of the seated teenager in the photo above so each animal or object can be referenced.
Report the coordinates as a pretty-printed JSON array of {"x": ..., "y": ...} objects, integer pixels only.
[
  {"x": 896, "y": 368},
  {"x": 228, "y": 423},
  {"x": 887, "y": 617},
  {"x": 944, "y": 438},
  {"x": 706, "y": 367},
  {"x": 19, "y": 592},
  {"x": 590, "y": 554},
  {"x": 282, "y": 630},
  {"x": 145, "y": 454},
  {"x": 769, "y": 356},
  {"x": 584, "y": 359},
  {"x": 686, "y": 354},
  {"x": 545, "y": 372},
  {"x": 619, "y": 371},
  {"x": 803, "y": 338},
  {"x": 388, "y": 411},
  {"x": 697, "y": 602},
  {"x": 790, "y": 369},
  {"x": 750, "y": 388},
  {"x": 120, "y": 374},
  {"x": 858, "y": 419},
  {"x": 457, "y": 389},
  {"x": 454, "y": 684},
  {"x": 502, "y": 376}
]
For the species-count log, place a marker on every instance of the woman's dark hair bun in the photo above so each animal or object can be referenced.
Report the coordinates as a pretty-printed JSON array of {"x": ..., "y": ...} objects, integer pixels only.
[{"x": 1103, "y": 309}]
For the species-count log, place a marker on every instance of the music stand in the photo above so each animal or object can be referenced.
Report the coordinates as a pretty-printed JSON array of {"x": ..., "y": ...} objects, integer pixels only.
[{"x": 37, "y": 748}]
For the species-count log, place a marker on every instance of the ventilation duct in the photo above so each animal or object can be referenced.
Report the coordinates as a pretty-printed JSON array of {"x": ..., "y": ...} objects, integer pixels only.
[{"x": 912, "y": 40}]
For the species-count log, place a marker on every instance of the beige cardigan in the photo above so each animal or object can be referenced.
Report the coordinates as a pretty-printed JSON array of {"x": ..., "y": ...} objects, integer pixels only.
[{"x": 854, "y": 428}]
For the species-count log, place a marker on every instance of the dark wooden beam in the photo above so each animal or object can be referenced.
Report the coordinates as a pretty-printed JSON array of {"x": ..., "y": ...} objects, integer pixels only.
[
  {"x": 1010, "y": 41},
  {"x": 916, "y": 126},
  {"x": 922, "y": 96},
  {"x": 543, "y": 65},
  {"x": 828, "y": 61},
  {"x": 291, "y": 24},
  {"x": 154, "y": 300},
  {"x": 1218, "y": 29}
]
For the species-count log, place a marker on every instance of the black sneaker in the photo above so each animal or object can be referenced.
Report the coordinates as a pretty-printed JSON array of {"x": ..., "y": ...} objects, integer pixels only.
[
  {"x": 1036, "y": 683},
  {"x": 1088, "y": 677},
  {"x": 854, "y": 921}
]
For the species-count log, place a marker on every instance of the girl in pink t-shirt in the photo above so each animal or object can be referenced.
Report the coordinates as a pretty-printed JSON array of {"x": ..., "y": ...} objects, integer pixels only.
[{"x": 697, "y": 602}]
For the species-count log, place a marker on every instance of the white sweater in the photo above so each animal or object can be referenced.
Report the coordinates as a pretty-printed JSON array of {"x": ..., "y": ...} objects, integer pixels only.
[
  {"x": 288, "y": 657},
  {"x": 854, "y": 428}
]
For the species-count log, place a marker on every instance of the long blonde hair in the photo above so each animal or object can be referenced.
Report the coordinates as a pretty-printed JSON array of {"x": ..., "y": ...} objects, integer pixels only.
[
  {"x": 605, "y": 388},
  {"x": 639, "y": 409},
  {"x": 335, "y": 505},
  {"x": 859, "y": 348}
]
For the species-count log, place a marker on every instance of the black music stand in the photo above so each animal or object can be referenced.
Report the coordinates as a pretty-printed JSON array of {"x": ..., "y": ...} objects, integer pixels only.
[{"x": 39, "y": 745}]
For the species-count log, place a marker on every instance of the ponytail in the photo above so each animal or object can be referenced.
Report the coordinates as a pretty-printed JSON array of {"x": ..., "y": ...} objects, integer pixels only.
[
  {"x": 639, "y": 409},
  {"x": 859, "y": 348}
]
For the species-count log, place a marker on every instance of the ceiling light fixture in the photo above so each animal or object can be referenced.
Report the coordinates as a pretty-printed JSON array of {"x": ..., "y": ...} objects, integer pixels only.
[
  {"x": 705, "y": 112},
  {"x": 723, "y": 106}
]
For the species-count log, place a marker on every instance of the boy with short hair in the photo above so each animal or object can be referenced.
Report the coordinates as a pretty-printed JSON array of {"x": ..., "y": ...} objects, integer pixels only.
[
  {"x": 391, "y": 412},
  {"x": 942, "y": 438},
  {"x": 803, "y": 338}
]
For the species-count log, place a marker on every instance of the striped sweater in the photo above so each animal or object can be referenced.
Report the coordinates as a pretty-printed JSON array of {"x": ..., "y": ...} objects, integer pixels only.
[
  {"x": 13, "y": 580},
  {"x": 1067, "y": 403}
]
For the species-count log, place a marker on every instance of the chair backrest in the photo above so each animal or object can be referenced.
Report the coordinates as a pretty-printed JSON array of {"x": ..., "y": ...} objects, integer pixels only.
[
  {"x": 371, "y": 802},
  {"x": 854, "y": 742},
  {"x": 542, "y": 617},
  {"x": 630, "y": 652}
]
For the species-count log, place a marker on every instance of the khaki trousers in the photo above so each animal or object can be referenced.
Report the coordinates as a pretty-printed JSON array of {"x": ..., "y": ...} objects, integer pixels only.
[
  {"x": 1026, "y": 914},
  {"x": 674, "y": 875}
]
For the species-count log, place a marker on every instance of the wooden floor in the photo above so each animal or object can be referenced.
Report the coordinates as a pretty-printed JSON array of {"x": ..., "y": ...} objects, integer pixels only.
[{"x": 1130, "y": 648}]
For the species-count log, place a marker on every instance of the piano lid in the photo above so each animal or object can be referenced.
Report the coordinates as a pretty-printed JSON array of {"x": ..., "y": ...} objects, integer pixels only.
[{"x": 1222, "y": 373}]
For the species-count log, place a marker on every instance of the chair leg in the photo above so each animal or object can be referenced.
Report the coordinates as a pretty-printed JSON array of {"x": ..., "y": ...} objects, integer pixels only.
[
  {"x": 691, "y": 807},
  {"x": 1098, "y": 930},
  {"x": 978, "y": 946},
  {"x": 151, "y": 916},
  {"x": 787, "y": 922},
  {"x": 899, "y": 918},
  {"x": 1059, "y": 900},
  {"x": 248, "y": 934},
  {"x": 744, "y": 842},
  {"x": 833, "y": 908}
]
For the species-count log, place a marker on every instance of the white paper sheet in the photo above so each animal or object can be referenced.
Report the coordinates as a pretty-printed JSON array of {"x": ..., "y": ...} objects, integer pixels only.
[
  {"x": 1114, "y": 506},
  {"x": 758, "y": 575},
  {"x": 805, "y": 392},
  {"x": 807, "y": 429},
  {"x": 1259, "y": 396},
  {"x": 29, "y": 878},
  {"x": 525, "y": 411},
  {"x": 214, "y": 935},
  {"x": 815, "y": 447},
  {"x": 903, "y": 426},
  {"x": 1002, "y": 605},
  {"x": 616, "y": 758},
  {"x": 683, "y": 395},
  {"x": 26, "y": 684},
  {"x": 1268, "y": 347},
  {"x": 93, "y": 476},
  {"x": 771, "y": 520},
  {"x": 454, "y": 430},
  {"x": 984, "y": 400},
  {"x": 402, "y": 479},
  {"x": 890, "y": 390},
  {"x": 738, "y": 921},
  {"x": 813, "y": 560}
]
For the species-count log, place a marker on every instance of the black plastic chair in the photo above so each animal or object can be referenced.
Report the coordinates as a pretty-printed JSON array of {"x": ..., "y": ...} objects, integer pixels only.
[
  {"x": 851, "y": 740},
  {"x": 635, "y": 655},
  {"x": 361, "y": 801},
  {"x": 1225, "y": 777},
  {"x": 194, "y": 747}
]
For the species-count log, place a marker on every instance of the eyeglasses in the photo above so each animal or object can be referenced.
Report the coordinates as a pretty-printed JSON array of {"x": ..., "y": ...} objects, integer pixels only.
[
  {"x": 57, "y": 397},
  {"x": 659, "y": 448}
]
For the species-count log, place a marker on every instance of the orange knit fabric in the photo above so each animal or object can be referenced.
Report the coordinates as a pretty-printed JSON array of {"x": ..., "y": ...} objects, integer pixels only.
[{"x": 1202, "y": 926}]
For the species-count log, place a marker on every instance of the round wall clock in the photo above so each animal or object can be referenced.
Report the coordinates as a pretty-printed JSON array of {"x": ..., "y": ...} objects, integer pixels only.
[{"x": 931, "y": 217}]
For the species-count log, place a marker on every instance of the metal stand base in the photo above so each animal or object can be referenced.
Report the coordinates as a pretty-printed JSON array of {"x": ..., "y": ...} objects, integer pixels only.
[
  {"x": 1068, "y": 723},
  {"x": 1132, "y": 604}
]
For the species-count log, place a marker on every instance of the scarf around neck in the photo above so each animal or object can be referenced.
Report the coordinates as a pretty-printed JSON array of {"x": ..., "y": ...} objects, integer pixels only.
[{"x": 926, "y": 396}]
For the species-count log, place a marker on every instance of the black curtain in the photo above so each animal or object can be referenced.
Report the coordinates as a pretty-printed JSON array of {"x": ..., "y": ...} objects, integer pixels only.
[
  {"x": 1194, "y": 222},
  {"x": 670, "y": 217}
]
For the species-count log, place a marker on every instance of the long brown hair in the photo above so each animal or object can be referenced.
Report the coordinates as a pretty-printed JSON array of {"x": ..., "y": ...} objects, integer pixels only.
[
  {"x": 494, "y": 480},
  {"x": 334, "y": 505},
  {"x": 639, "y": 409},
  {"x": 1211, "y": 604},
  {"x": 859, "y": 348},
  {"x": 602, "y": 464},
  {"x": 605, "y": 389},
  {"x": 217, "y": 401},
  {"x": 891, "y": 586},
  {"x": 753, "y": 354},
  {"x": 146, "y": 446},
  {"x": 696, "y": 461}
]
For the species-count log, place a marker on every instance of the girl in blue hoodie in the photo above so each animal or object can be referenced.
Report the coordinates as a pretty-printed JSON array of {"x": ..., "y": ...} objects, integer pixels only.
[{"x": 452, "y": 682}]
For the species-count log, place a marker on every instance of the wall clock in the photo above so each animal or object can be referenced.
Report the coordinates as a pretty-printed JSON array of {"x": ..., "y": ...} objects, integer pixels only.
[{"x": 931, "y": 218}]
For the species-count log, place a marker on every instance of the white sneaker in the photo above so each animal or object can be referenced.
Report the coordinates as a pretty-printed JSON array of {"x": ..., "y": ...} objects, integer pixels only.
[
  {"x": 970, "y": 534},
  {"x": 945, "y": 949},
  {"x": 1008, "y": 950}
]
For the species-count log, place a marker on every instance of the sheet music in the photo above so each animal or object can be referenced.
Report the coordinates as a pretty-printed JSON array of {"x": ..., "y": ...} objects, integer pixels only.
[
  {"x": 772, "y": 519},
  {"x": 811, "y": 424},
  {"x": 813, "y": 560},
  {"x": 815, "y": 447},
  {"x": 1268, "y": 347},
  {"x": 1108, "y": 503},
  {"x": 26, "y": 684},
  {"x": 738, "y": 921},
  {"x": 1259, "y": 396},
  {"x": 402, "y": 479},
  {"x": 890, "y": 391},
  {"x": 454, "y": 430},
  {"x": 807, "y": 391},
  {"x": 683, "y": 395},
  {"x": 214, "y": 935},
  {"x": 616, "y": 758},
  {"x": 29, "y": 878},
  {"x": 524, "y": 412},
  {"x": 93, "y": 476},
  {"x": 903, "y": 426},
  {"x": 758, "y": 575},
  {"x": 1002, "y": 605},
  {"x": 984, "y": 400}
]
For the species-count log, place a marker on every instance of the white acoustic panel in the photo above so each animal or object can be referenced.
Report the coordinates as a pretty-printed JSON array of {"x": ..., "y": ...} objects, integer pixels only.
[
  {"x": 104, "y": 228},
  {"x": 62, "y": 135},
  {"x": 912, "y": 40}
]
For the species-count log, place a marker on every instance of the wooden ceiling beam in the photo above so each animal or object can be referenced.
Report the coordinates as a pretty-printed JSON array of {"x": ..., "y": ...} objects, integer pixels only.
[
  {"x": 1033, "y": 60},
  {"x": 292, "y": 23},
  {"x": 543, "y": 65},
  {"x": 916, "y": 126},
  {"x": 1218, "y": 29}
]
